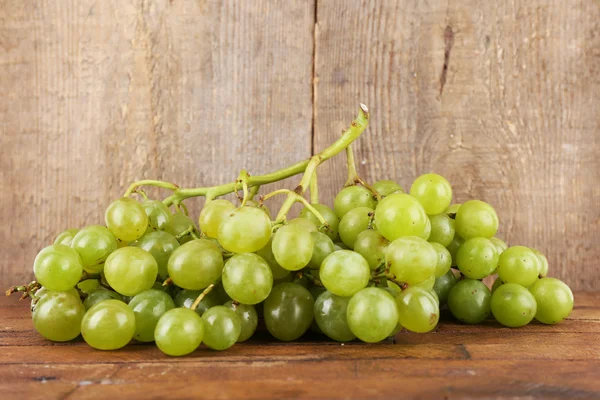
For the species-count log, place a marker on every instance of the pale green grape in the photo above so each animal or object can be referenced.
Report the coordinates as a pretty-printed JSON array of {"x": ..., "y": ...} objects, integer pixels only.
[
  {"x": 500, "y": 244},
  {"x": 186, "y": 298},
  {"x": 372, "y": 314},
  {"x": 323, "y": 247},
  {"x": 179, "y": 332},
  {"x": 371, "y": 245},
  {"x": 94, "y": 243},
  {"x": 66, "y": 237},
  {"x": 247, "y": 278},
  {"x": 518, "y": 264},
  {"x": 442, "y": 286},
  {"x": 332, "y": 220},
  {"x": 213, "y": 214},
  {"x": 159, "y": 216},
  {"x": 88, "y": 286},
  {"x": 400, "y": 215},
  {"x": 307, "y": 224},
  {"x": 411, "y": 259},
  {"x": 352, "y": 197},
  {"x": 293, "y": 246},
  {"x": 222, "y": 328},
  {"x": 444, "y": 259},
  {"x": 476, "y": 218},
  {"x": 543, "y": 263},
  {"x": 246, "y": 229},
  {"x": 469, "y": 301},
  {"x": 108, "y": 325},
  {"x": 513, "y": 305},
  {"x": 427, "y": 284},
  {"x": 126, "y": 219},
  {"x": 288, "y": 311},
  {"x": 196, "y": 264},
  {"x": 263, "y": 207},
  {"x": 497, "y": 283},
  {"x": 554, "y": 300},
  {"x": 181, "y": 223},
  {"x": 57, "y": 315},
  {"x": 58, "y": 267},
  {"x": 453, "y": 247},
  {"x": 442, "y": 229},
  {"x": 344, "y": 272},
  {"x": 477, "y": 258},
  {"x": 100, "y": 295},
  {"x": 386, "y": 187},
  {"x": 353, "y": 223},
  {"x": 248, "y": 319},
  {"x": 433, "y": 191},
  {"x": 148, "y": 307},
  {"x": 340, "y": 246},
  {"x": 161, "y": 245},
  {"x": 267, "y": 254},
  {"x": 330, "y": 316},
  {"x": 130, "y": 270},
  {"x": 452, "y": 210},
  {"x": 418, "y": 310}
]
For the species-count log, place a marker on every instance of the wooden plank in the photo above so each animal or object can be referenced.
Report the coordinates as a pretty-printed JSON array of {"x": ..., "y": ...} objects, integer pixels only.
[{"x": 497, "y": 96}]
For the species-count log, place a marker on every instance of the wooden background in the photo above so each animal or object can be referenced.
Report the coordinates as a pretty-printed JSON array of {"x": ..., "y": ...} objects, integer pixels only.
[{"x": 501, "y": 97}]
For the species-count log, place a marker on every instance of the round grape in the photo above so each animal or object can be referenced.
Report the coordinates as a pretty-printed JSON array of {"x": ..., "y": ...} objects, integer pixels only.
[
  {"x": 130, "y": 270},
  {"x": 66, "y": 237},
  {"x": 330, "y": 316},
  {"x": 94, "y": 243},
  {"x": 263, "y": 207},
  {"x": 513, "y": 305},
  {"x": 307, "y": 224},
  {"x": 469, "y": 301},
  {"x": 288, "y": 311},
  {"x": 554, "y": 300},
  {"x": 293, "y": 246},
  {"x": 543, "y": 263},
  {"x": 442, "y": 229},
  {"x": 444, "y": 259},
  {"x": 400, "y": 215},
  {"x": 160, "y": 245},
  {"x": 332, "y": 220},
  {"x": 353, "y": 223},
  {"x": 248, "y": 319},
  {"x": 246, "y": 229},
  {"x": 352, "y": 197},
  {"x": 247, "y": 278},
  {"x": 411, "y": 259},
  {"x": 387, "y": 187},
  {"x": 186, "y": 298},
  {"x": 222, "y": 328},
  {"x": 323, "y": 247},
  {"x": 442, "y": 286},
  {"x": 179, "y": 332},
  {"x": 344, "y": 272},
  {"x": 477, "y": 258},
  {"x": 57, "y": 315},
  {"x": 497, "y": 283},
  {"x": 518, "y": 264},
  {"x": 500, "y": 244},
  {"x": 148, "y": 307},
  {"x": 372, "y": 314},
  {"x": 100, "y": 295},
  {"x": 418, "y": 310},
  {"x": 58, "y": 267},
  {"x": 267, "y": 254},
  {"x": 179, "y": 224},
  {"x": 433, "y": 191},
  {"x": 108, "y": 325},
  {"x": 213, "y": 214},
  {"x": 371, "y": 245},
  {"x": 476, "y": 218},
  {"x": 196, "y": 264},
  {"x": 126, "y": 219},
  {"x": 159, "y": 216}
]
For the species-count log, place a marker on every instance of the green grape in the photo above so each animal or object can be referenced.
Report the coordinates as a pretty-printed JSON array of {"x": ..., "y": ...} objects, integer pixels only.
[
  {"x": 500, "y": 244},
  {"x": 179, "y": 331},
  {"x": 444, "y": 259},
  {"x": 307, "y": 224},
  {"x": 186, "y": 298},
  {"x": 411, "y": 259},
  {"x": 418, "y": 310},
  {"x": 293, "y": 246},
  {"x": 518, "y": 264},
  {"x": 130, "y": 270},
  {"x": 263, "y": 207},
  {"x": 554, "y": 300},
  {"x": 213, "y": 214},
  {"x": 497, "y": 283},
  {"x": 267, "y": 254},
  {"x": 543, "y": 263},
  {"x": 100, "y": 295},
  {"x": 196, "y": 264},
  {"x": 477, "y": 258},
  {"x": 248, "y": 319},
  {"x": 469, "y": 301},
  {"x": 66, "y": 237},
  {"x": 476, "y": 218},
  {"x": 371, "y": 245},
  {"x": 323, "y": 247},
  {"x": 344, "y": 272},
  {"x": 352, "y": 197},
  {"x": 433, "y": 191},
  {"x": 179, "y": 224},
  {"x": 148, "y": 307},
  {"x": 453, "y": 247},
  {"x": 161, "y": 245},
  {"x": 435, "y": 296},
  {"x": 427, "y": 284},
  {"x": 316, "y": 291},
  {"x": 452, "y": 210},
  {"x": 387, "y": 187},
  {"x": 88, "y": 286},
  {"x": 513, "y": 305},
  {"x": 332, "y": 220},
  {"x": 94, "y": 243},
  {"x": 222, "y": 328},
  {"x": 340, "y": 246},
  {"x": 108, "y": 325},
  {"x": 442, "y": 229},
  {"x": 372, "y": 314},
  {"x": 427, "y": 231},
  {"x": 288, "y": 311},
  {"x": 57, "y": 315},
  {"x": 159, "y": 216},
  {"x": 393, "y": 289},
  {"x": 400, "y": 215},
  {"x": 58, "y": 267},
  {"x": 330, "y": 316},
  {"x": 246, "y": 229},
  {"x": 126, "y": 219},
  {"x": 442, "y": 286},
  {"x": 247, "y": 278},
  {"x": 353, "y": 223}
]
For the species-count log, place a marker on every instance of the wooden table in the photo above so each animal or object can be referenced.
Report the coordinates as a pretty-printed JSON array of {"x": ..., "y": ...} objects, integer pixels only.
[{"x": 455, "y": 361}]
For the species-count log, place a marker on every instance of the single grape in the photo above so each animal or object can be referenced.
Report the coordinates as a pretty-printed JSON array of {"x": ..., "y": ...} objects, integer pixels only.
[
  {"x": 452, "y": 210},
  {"x": 476, "y": 218},
  {"x": 371, "y": 245},
  {"x": 477, "y": 258},
  {"x": 433, "y": 191},
  {"x": 411, "y": 259},
  {"x": 513, "y": 305},
  {"x": 159, "y": 216},
  {"x": 518, "y": 264},
  {"x": 196, "y": 264},
  {"x": 57, "y": 315},
  {"x": 444, "y": 259},
  {"x": 352, "y": 197},
  {"x": 66, "y": 237},
  {"x": 130, "y": 270},
  {"x": 246, "y": 229},
  {"x": 427, "y": 284},
  {"x": 100, "y": 295},
  {"x": 469, "y": 301},
  {"x": 222, "y": 328},
  {"x": 94, "y": 243},
  {"x": 126, "y": 219},
  {"x": 344, "y": 272},
  {"x": 332, "y": 220},
  {"x": 248, "y": 319},
  {"x": 400, "y": 215},
  {"x": 288, "y": 311},
  {"x": 453, "y": 247},
  {"x": 148, "y": 307},
  {"x": 307, "y": 224},
  {"x": 372, "y": 314},
  {"x": 387, "y": 187},
  {"x": 267, "y": 254},
  {"x": 442, "y": 229},
  {"x": 58, "y": 267},
  {"x": 161, "y": 245},
  {"x": 263, "y": 207},
  {"x": 293, "y": 246},
  {"x": 108, "y": 325},
  {"x": 330, "y": 316},
  {"x": 213, "y": 213},
  {"x": 418, "y": 310},
  {"x": 340, "y": 246},
  {"x": 88, "y": 286},
  {"x": 497, "y": 283},
  {"x": 179, "y": 332},
  {"x": 323, "y": 247},
  {"x": 186, "y": 298},
  {"x": 247, "y": 278},
  {"x": 543, "y": 263},
  {"x": 181, "y": 223},
  {"x": 500, "y": 244},
  {"x": 554, "y": 300},
  {"x": 442, "y": 286},
  {"x": 353, "y": 223}
]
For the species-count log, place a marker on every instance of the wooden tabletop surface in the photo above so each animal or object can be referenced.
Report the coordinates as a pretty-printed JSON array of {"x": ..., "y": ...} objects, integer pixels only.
[{"x": 455, "y": 361}]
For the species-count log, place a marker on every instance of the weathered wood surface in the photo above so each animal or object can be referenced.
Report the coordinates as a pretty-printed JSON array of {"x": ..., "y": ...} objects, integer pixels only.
[
  {"x": 455, "y": 361},
  {"x": 501, "y": 97}
]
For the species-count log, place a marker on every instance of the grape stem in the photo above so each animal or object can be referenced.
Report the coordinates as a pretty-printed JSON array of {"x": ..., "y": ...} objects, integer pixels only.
[
  {"x": 28, "y": 290},
  {"x": 199, "y": 298},
  {"x": 243, "y": 180},
  {"x": 353, "y": 178},
  {"x": 150, "y": 182},
  {"x": 281, "y": 216},
  {"x": 314, "y": 189}
]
